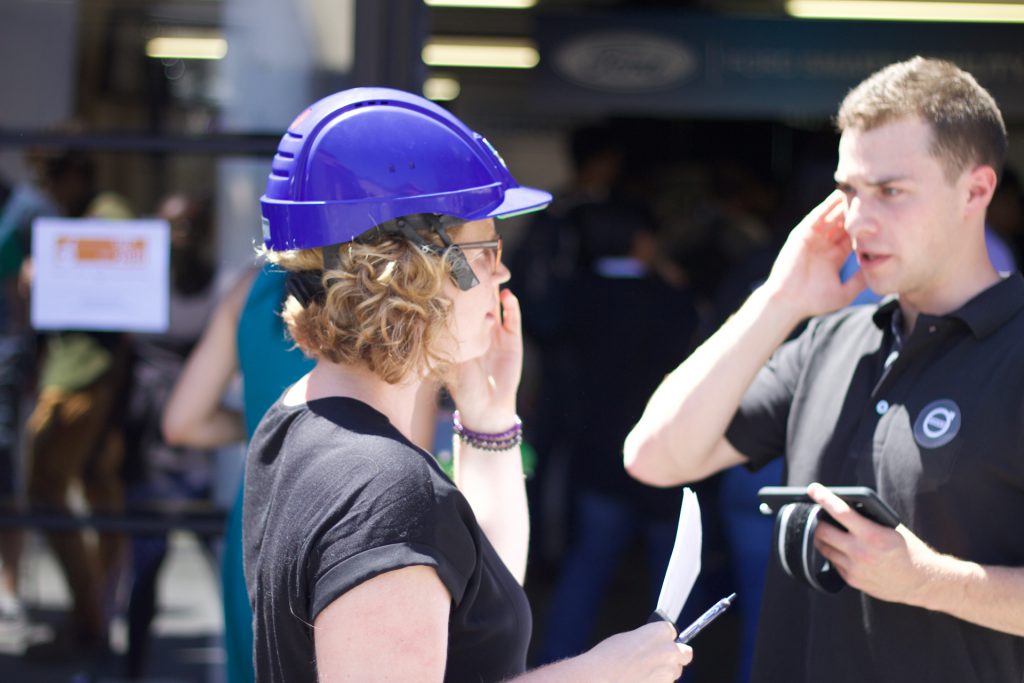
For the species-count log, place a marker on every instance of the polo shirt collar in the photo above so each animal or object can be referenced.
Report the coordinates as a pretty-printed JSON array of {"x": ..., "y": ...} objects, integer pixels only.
[
  {"x": 983, "y": 314},
  {"x": 885, "y": 311}
]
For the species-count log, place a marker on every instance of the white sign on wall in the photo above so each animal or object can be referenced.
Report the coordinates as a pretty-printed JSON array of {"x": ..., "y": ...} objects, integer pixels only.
[{"x": 100, "y": 274}]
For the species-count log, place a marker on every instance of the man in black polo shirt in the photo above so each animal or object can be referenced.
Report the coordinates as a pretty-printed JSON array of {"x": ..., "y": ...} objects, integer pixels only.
[{"x": 920, "y": 398}]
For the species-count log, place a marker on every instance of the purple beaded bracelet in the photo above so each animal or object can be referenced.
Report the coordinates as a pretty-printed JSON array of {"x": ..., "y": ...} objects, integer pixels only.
[{"x": 501, "y": 441}]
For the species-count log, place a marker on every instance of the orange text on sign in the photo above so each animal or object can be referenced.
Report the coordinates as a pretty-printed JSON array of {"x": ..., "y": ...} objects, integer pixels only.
[{"x": 103, "y": 250}]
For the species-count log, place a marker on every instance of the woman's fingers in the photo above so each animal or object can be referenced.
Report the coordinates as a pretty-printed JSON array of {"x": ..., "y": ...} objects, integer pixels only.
[{"x": 511, "y": 316}]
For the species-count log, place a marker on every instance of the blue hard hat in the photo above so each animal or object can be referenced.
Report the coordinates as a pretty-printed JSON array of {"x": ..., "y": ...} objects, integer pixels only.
[{"x": 363, "y": 157}]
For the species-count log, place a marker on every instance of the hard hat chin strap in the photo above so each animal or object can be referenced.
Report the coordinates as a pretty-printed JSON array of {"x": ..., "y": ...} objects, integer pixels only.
[
  {"x": 410, "y": 227},
  {"x": 414, "y": 226},
  {"x": 306, "y": 286}
]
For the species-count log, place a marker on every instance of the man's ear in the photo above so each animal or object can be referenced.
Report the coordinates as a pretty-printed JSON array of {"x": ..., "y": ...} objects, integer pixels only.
[{"x": 980, "y": 184}]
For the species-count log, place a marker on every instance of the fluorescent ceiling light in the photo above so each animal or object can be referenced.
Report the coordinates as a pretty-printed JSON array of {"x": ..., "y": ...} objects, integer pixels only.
[
  {"x": 441, "y": 88},
  {"x": 907, "y": 10},
  {"x": 483, "y": 4},
  {"x": 330, "y": 29},
  {"x": 495, "y": 53},
  {"x": 186, "y": 47}
]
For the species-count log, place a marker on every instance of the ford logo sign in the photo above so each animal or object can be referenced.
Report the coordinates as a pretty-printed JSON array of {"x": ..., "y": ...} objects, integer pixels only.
[{"x": 625, "y": 62}]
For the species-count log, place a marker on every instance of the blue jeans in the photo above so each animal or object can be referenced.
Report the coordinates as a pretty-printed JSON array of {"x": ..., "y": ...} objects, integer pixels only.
[
  {"x": 603, "y": 529},
  {"x": 749, "y": 536}
]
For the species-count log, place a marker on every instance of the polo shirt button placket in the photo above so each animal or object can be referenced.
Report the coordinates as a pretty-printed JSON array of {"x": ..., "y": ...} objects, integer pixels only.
[{"x": 882, "y": 407}]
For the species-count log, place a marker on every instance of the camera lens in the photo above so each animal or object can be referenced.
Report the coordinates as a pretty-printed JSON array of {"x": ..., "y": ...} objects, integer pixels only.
[{"x": 794, "y": 546}]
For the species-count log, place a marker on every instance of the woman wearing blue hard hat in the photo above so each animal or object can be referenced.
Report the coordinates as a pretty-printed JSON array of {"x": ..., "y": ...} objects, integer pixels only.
[{"x": 364, "y": 561}]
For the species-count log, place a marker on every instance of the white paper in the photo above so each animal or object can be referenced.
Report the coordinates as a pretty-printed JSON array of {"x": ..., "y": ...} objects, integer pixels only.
[
  {"x": 684, "y": 565},
  {"x": 99, "y": 274}
]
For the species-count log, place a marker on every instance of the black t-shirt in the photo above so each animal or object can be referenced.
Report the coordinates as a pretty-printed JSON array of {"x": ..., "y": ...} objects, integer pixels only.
[
  {"x": 937, "y": 428},
  {"x": 335, "y": 495}
]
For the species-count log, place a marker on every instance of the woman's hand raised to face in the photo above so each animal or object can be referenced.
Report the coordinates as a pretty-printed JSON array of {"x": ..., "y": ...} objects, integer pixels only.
[{"x": 485, "y": 387}]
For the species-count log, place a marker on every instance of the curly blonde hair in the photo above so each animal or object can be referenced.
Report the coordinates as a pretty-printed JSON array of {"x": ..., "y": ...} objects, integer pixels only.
[{"x": 384, "y": 308}]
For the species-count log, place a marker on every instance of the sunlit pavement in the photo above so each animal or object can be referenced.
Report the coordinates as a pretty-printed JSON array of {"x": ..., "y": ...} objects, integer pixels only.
[{"x": 186, "y": 634}]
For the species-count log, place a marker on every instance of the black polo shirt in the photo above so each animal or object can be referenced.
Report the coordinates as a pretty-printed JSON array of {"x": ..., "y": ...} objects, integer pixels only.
[{"x": 937, "y": 428}]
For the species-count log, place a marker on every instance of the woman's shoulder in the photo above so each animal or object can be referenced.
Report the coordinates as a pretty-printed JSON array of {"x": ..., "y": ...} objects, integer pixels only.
[
  {"x": 341, "y": 435},
  {"x": 335, "y": 462}
]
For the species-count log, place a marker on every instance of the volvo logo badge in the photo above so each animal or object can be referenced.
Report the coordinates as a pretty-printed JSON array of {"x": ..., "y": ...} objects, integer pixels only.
[{"x": 937, "y": 423}]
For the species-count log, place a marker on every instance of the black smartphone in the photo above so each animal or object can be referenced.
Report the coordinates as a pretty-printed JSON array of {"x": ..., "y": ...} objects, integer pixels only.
[{"x": 861, "y": 498}]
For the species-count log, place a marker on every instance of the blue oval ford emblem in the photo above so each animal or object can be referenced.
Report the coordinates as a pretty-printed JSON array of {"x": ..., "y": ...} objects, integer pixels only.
[{"x": 625, "y": 62}]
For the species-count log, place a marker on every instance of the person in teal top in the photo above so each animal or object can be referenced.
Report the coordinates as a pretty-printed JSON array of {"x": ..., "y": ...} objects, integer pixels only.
[
  {"x": 245, "y": 334},
  {"x": 267, "y": 358},
  {"x": 269, "y": 363}
]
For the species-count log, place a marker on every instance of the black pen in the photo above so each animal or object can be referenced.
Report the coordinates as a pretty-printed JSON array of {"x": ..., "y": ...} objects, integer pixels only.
[{"x": 691, "y": 631}]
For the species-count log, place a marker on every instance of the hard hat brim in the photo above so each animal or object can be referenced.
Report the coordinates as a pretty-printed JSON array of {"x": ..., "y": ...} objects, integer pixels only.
[{"x": 520, "y": 200}]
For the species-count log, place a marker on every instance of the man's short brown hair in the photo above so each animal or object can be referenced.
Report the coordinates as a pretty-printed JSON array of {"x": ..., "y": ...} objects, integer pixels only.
[{"x": 967, "y": 127}]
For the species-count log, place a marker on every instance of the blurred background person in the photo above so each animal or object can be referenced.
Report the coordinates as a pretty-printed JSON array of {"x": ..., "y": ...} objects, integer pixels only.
[
  {"x": 245, "y": 334},
  {"x": 1006, "y": 213},
  {"x": 156, "y": 472},
  {"x": 74, "y": 434},
  {"x": 627, "y": 327},
  {"x": 19, "y": 206},
  {"x": 543, "y": 263}
]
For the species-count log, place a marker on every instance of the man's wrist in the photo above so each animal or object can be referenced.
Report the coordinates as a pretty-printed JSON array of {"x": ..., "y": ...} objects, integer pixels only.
[
  {"x": 776, "y": 302},
  {"x": 772, "y": 313},
  {"x": 947, "y": 584}
]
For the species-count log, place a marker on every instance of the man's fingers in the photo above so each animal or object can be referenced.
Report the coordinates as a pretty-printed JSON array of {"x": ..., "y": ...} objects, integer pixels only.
[
  {"x": 837, "y": 508},
  {"x": 833, "y": 537},
  {"x": 840, "y": 560},
  {"x": 834, "y": 198},
  {"x": 836, "y": 211},
  {"x": 828, "y": 221},
  {"x": 830, "y": 210},
  {"x": 833, "y": 554}
]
